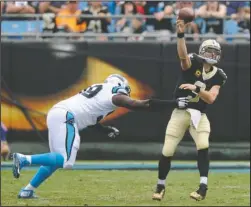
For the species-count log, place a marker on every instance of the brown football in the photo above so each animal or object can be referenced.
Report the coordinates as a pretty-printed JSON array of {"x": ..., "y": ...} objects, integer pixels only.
[{"x": 186, "y": 14}]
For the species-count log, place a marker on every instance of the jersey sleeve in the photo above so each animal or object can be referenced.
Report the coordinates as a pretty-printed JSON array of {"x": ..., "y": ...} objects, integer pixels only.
[
  {"x": 220, "y": 78},
  {"x": 193, "y": 59},
  {"x": 194, "y": 62}
]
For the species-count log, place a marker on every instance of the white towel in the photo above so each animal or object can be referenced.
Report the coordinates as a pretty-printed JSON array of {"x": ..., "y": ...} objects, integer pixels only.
[{"x": 195, "y": 117}]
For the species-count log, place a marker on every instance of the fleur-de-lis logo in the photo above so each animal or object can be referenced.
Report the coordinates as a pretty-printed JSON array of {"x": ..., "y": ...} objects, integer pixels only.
[{"x": 198, "y": 73}]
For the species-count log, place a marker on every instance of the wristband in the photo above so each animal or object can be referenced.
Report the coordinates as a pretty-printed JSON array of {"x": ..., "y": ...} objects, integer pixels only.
[
  {"x": 197, "y": 90},
  {"x": 181, "y": 35}
]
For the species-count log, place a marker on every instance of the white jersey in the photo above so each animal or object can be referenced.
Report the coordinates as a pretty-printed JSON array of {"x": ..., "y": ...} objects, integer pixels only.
[{"x": 92, "y": 104}]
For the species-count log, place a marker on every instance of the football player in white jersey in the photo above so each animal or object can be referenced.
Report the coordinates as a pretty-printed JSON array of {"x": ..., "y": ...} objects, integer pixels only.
[{"x": 78, "y": 112}]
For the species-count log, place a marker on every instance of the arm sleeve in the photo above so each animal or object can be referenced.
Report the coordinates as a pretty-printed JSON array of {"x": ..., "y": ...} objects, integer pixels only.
[
  {"x": 220, "y": 78},
  {"x": 193, "y": 59},
  {"x": 158, "y": 105}
]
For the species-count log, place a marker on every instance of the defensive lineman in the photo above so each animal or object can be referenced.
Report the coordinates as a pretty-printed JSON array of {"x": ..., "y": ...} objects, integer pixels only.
[
  {"x": 201, "y": 82},
  {"x": 66, "y": 118}
]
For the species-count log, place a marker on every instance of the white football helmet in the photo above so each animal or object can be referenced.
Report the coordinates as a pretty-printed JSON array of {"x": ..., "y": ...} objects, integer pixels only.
[
  {"x": 210, "y": 50},
  {"x": 118, "y": 80}
]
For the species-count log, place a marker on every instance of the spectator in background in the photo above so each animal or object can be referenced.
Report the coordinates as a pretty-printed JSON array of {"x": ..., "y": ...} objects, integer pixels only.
[
  {"x": 243, "y": 19},
  {"x": 50, "y": 9},
  {"x": 140, "y": 6},
  {"x": 96, "y": 25},
  {"x": 129, "y": 25},
  {"x": 67, "y": 18},
  {"x": 214, "y": 13},
  {"x": 51, "y": 6},
  {"x": 198, "y": 4},
  {"x": 233, "y": 6},
  {"x": 116, "y": 10},
  {"x": 111, "y": 6},
  {"x": 19, "y": 7},
  {"x": 3, "y": 7},
  {"x": 5, "y": 150},
  {"x": 239, "y": 22},
  {"x": 159, "y": 9}
]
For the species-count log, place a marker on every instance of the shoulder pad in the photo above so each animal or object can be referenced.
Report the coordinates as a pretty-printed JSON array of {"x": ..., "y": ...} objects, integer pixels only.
[
  {"x": 222, "y": 73},
  {"x": 119, "y": 90}
]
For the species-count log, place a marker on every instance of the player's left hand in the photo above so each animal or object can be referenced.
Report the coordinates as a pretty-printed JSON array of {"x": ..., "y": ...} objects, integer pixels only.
[
  {"x": 188, "y": 86},
  {"x": 114, "y": 132}
]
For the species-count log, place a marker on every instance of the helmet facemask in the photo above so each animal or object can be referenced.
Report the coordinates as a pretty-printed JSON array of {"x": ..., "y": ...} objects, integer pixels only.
[
  {"x": 210, "y": 51},
  {"x": 120, "y": 81}
]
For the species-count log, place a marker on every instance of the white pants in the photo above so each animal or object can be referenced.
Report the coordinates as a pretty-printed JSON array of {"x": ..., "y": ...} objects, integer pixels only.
[{"x": 63, "y": 135}]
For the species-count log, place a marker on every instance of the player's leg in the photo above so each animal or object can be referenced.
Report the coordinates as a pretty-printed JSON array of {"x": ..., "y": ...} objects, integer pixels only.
[
  {"x": 201, "y": 139},
  {"x": 5, "y": 150},
  {"x": 63, "y": 140},
  {"x": 175, "y": 131}
]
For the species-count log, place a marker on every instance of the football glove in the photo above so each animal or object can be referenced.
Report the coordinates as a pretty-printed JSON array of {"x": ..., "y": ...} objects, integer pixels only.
[
  {"x": 182, "y": 102},
  {"x": 114, "y": 132}
]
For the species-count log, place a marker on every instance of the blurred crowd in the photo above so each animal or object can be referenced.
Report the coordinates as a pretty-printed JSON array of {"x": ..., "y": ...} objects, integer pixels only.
[{"x": 212, "y": 17}]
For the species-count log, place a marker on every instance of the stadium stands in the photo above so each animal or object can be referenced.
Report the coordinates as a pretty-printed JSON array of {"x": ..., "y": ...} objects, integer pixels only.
[{"x": 127, "y": 20}]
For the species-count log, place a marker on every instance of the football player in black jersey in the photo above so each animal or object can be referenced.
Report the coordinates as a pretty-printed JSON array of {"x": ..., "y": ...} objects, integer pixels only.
[{"x": 201, "y": 81}]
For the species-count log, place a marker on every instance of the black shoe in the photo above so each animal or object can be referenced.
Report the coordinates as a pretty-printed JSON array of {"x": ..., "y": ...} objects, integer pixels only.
[
  {"x": 159, "y": 192},
  {"x": 200, "y": 194}
]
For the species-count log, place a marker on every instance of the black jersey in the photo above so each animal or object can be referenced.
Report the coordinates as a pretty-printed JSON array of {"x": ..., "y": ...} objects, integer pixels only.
[{"x": 195, "y": 74}]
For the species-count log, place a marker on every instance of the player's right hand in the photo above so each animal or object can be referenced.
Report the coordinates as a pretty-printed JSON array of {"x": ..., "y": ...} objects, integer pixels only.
[
  {"x": 182, "y": 102},
  {"x": 180, "y": 26}
]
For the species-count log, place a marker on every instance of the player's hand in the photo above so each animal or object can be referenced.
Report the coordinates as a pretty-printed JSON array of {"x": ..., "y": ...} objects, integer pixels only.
[
  {"x": 182, "y": 102},
  {"x": 113, "y": 132},
  {"x": 180, "y": 26},
  {"x": 188, "y": 86}
]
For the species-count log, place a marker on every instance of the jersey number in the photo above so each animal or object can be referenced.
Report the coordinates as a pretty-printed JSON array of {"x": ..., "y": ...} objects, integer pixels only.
[{"x": 91, "y": 91}]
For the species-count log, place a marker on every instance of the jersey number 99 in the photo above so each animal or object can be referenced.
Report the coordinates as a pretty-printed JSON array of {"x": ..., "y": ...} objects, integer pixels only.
[{"x": 91, "y": 91}]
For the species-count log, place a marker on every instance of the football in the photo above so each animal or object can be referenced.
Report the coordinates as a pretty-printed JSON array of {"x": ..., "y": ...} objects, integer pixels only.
[{"x": 186, "y": 14}]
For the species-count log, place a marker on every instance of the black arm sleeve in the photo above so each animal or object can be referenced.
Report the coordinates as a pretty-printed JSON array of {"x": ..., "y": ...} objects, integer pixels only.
[
  {"x": 220, "y": 78},
  {"x": 143, "y": 105},
  {"x": 158, "y": 105}
]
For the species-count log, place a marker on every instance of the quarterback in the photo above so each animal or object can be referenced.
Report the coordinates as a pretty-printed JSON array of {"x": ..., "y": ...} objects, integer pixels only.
[
  {"x": 78, "y": 112},
  {"x": 200, "y": 81}
]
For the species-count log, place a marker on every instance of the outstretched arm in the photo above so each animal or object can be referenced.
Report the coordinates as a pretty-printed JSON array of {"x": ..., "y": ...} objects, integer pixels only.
[
  {"x": 126, "y": 102},
  {"x": 147, "y": 105}
]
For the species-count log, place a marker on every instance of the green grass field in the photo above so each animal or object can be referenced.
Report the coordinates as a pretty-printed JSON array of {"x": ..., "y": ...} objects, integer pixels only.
[{"x": 130, "y": 188}]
